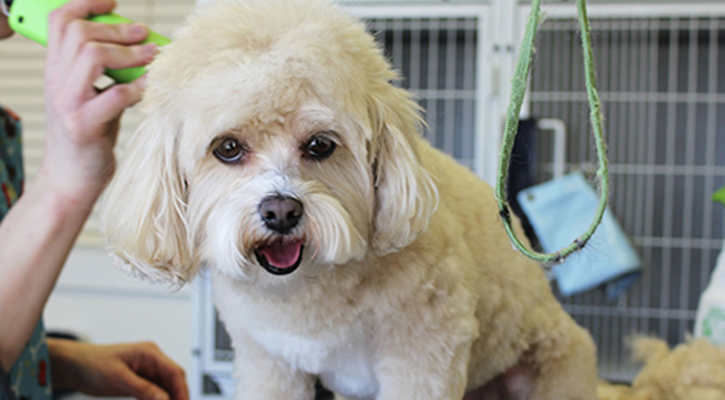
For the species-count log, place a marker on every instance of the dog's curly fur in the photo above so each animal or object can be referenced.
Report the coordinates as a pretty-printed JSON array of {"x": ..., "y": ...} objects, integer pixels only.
[
  {"x": 694, "y": 370},
  {"x": 408, "y": 287}
]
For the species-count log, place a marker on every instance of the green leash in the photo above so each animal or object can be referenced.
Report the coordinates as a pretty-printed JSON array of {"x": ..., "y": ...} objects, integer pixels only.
[{"x": 512, "y": 121}]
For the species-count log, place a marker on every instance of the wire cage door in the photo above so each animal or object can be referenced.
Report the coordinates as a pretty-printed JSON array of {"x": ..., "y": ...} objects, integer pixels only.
[{"x": 662, "y": 86}]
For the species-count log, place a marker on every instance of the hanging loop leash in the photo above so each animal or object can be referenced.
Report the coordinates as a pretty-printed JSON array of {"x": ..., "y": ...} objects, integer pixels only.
[{"x": 521, "y": 73}]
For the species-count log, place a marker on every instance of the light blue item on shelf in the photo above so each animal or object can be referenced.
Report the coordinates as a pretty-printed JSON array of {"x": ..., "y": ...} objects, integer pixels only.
[{"x": 560, "y": 211}]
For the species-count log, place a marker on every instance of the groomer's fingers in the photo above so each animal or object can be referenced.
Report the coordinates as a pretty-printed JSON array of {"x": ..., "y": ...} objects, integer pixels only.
[
  {"x": 109, "y": 104},
  {"x": 5, "y": 30},
  {"x": 114, "y": 56},
  {"x": 179, "y": 389},
  {"x": 131, "y": 384},
  {"x": 81, "y": 31},
  {"x": 170, "y": 375},
  {"x": 96, "y": 56},
  {"x": 75, "y": 9}
]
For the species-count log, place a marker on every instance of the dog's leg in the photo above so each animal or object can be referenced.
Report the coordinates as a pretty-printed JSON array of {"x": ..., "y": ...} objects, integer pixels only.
[
  {"x": 422, "y": 362},
  {"x": 262, "y": 377},
  {"x": 566, "y": 368},
  {"x": 423, "y": 377}
]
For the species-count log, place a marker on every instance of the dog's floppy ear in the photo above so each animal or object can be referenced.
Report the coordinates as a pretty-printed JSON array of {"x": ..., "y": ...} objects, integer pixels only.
[
  {"x": 405, "y": 193},
  {"x": 143, "y": 217}
]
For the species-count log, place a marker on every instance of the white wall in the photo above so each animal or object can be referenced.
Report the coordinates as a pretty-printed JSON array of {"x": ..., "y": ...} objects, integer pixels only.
[{"x": 105, "y": 305}]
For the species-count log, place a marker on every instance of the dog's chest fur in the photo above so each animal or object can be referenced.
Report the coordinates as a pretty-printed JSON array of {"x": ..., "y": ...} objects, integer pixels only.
[
  {"x": 343, "y": 366},
  {"x": 342, "y": 355}
]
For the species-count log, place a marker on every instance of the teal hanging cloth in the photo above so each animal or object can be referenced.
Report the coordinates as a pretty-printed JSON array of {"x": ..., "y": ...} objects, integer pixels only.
[
  {"x": 557, "y": 211},
  {"x": 512, "y": 120}
]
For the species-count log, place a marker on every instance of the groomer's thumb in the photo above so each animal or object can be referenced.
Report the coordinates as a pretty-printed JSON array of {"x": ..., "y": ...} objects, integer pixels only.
[{"x": 142, "y": 389}]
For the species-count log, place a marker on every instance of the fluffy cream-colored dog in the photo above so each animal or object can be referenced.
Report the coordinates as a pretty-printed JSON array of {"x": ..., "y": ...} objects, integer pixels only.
[{"x": 276, "y": 152}]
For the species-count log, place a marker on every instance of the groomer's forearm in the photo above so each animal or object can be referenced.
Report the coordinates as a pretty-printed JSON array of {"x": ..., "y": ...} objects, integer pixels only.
[{"x": 35, "y": 239}]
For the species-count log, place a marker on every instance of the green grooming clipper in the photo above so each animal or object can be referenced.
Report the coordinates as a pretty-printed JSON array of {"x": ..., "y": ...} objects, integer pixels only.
[{"x": 30, "y": 19}]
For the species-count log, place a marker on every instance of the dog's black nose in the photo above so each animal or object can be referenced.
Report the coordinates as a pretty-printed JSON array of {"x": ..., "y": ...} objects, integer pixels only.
[{"x": 280, "y": 213}]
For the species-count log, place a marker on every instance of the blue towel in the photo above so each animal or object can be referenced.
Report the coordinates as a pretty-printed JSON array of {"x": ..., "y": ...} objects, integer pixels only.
[{"x": 560, "y": 211}]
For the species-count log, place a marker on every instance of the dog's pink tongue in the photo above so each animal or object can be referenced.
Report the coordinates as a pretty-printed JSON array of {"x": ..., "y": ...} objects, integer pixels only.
[{"x": 282, "y": 254}]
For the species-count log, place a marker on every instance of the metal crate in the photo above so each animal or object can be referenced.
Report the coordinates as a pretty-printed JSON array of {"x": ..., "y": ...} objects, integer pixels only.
[{"x": 662, "y": 86}]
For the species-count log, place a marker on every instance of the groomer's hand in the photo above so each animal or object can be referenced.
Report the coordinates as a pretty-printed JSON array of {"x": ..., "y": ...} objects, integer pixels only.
[
  {"x": 5, "y": 30},
  {"x": 82, "y": 124},
  {"x": 137, "y": 370}
]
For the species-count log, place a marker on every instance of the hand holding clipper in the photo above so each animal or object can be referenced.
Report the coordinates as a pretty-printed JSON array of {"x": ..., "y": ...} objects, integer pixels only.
[{"x": 30, "y": 19}]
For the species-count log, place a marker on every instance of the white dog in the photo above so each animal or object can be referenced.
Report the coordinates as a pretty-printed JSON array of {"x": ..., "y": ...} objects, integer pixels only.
[{"x": 275, "y": 152}]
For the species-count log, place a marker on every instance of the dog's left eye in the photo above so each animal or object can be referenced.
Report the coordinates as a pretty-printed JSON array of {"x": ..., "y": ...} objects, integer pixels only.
[
  {"x": 229, "y": 150},
  {"x": 321, "y": 147}
]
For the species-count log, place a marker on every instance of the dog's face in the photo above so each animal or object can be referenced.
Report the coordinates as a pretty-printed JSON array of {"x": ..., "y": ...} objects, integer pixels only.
[
  {"x": 275, "y": 193},
  {"x": 273, "y": 142}
]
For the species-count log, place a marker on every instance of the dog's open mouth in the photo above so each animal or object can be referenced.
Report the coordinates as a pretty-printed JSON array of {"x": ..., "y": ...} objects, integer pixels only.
[{"x": 281, "y": 257}]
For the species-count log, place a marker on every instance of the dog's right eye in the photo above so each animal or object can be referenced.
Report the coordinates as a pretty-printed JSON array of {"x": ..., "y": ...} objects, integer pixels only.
[
  {"x": 320, "y": 147},
  {"x": 229, "y": 150}
]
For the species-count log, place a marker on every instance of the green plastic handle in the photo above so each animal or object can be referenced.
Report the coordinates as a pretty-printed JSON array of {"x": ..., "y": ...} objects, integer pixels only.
[{"x": 30, "y": 19}]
